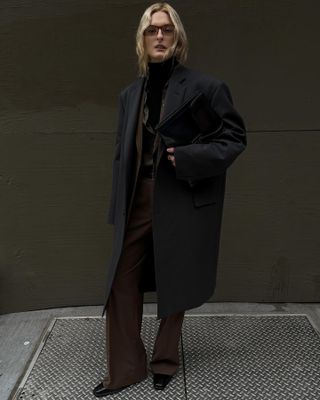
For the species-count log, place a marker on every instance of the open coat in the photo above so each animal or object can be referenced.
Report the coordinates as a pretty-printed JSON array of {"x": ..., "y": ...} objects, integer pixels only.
[{"x": 188, "y": 199}]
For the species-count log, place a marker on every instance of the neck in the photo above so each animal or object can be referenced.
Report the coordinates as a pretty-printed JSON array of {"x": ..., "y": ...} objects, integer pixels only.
[{"x": 160, "y": 71}]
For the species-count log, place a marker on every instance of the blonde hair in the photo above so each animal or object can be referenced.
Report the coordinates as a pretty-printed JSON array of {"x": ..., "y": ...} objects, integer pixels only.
[{"x": 180, "y": 45}]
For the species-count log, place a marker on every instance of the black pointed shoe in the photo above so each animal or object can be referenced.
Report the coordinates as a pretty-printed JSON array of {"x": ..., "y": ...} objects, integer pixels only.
[
  {"x": 100, "y": 390},
  {"x": 160, "y": 381}
]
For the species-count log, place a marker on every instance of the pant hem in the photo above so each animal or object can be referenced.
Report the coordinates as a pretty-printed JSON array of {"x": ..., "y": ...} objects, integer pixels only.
[{"x": 125, "y": 383}]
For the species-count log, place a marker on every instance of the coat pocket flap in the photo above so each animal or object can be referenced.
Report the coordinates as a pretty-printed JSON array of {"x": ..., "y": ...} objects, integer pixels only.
[{"x": 205, "y": 192}]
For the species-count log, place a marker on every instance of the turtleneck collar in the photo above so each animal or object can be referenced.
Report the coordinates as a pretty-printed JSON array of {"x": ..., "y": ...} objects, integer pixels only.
[{"x": 160, "y": 72}]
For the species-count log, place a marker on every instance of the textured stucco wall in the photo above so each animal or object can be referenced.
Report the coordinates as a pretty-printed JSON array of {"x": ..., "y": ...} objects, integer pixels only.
[{"x": 62, "y": 65}]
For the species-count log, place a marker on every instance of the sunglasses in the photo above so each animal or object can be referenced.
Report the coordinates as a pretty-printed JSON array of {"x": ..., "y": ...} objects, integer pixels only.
[{"x": 152, "y": 30}]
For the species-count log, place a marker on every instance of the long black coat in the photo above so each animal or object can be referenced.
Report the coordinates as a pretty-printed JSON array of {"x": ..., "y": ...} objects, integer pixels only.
[{"x": 186, "y": 218}]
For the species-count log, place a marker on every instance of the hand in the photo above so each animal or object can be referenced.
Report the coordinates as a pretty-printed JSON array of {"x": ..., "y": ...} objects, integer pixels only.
[{"x": 171, "y": 156}]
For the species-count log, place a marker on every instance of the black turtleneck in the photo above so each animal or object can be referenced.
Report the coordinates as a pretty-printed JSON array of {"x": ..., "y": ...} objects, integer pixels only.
[{"x": 157, "y": 77}]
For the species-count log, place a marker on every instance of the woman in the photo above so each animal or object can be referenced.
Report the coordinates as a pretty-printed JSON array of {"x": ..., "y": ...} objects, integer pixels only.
[{"x": 166, "y": 204}]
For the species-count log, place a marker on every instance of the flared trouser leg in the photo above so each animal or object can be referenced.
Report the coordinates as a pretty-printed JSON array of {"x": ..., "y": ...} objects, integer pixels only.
[
  {"x": 126, "y": 354},
  {"x": 165, "y": 356}
]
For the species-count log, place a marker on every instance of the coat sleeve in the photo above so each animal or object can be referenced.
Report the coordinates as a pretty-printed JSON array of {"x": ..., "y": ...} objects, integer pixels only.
[
  {"x": 198, "y": 161},
  {"x": 116, "y": 162}
]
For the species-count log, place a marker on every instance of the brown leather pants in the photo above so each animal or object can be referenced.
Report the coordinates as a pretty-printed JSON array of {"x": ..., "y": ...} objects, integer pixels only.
[{"x": 126, "y": 354}]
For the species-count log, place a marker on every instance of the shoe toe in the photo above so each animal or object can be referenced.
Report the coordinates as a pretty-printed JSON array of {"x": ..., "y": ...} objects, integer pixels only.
[
  {"x": 100, "y": 390},
  {"x": 160, "y": 381}
]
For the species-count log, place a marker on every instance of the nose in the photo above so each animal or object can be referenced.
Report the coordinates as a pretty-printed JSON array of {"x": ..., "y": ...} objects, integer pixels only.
[{"x": 160, "y": 35}]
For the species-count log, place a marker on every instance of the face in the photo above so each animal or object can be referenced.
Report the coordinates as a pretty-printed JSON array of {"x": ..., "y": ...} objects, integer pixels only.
[{"x": 158, "y": 46}]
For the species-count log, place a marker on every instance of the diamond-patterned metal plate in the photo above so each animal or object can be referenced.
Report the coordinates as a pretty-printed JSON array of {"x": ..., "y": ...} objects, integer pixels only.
[
  {"x": 243, "y": 357},
  {"x": 72, "y": 362},
  {"x": 221, "y": 357}
]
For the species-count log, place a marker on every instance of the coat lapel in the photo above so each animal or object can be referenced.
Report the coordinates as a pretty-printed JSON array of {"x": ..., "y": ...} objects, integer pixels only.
[
  {"x": 176, "y": 90},
  {"x": 133, "y": 104},
  {"x": 174, "y": 97}
]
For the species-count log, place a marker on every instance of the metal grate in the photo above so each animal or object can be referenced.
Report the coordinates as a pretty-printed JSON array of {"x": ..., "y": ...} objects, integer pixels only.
[
  {"x": 251, "y": 357},
  {"x": 72, "y": 362},
  {"x": 221, "y": 357}
]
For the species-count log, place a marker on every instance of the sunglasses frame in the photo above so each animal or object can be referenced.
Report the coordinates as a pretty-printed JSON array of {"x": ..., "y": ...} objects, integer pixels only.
[{"x": 157, "y": 28}]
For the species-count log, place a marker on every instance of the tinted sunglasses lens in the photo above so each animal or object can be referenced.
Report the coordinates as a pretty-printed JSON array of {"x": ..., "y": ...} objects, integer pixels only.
[
  {"x": 150, "y": 31},
  {"x": 168, "y": 30}
]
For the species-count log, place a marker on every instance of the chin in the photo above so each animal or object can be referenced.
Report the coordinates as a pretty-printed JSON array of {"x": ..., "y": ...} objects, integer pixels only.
[{"x": 159, "y": 57}]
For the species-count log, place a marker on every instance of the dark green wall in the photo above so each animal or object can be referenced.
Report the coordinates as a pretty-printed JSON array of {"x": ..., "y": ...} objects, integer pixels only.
[{"x": 62, "y": 65}]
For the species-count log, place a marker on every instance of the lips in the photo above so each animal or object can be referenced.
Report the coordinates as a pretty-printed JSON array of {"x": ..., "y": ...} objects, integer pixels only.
[{"x": 159, "y": 46}]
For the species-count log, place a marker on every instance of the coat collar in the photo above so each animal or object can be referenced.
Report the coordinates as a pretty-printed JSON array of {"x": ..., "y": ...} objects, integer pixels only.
[{"x": 174, "y": 95}]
